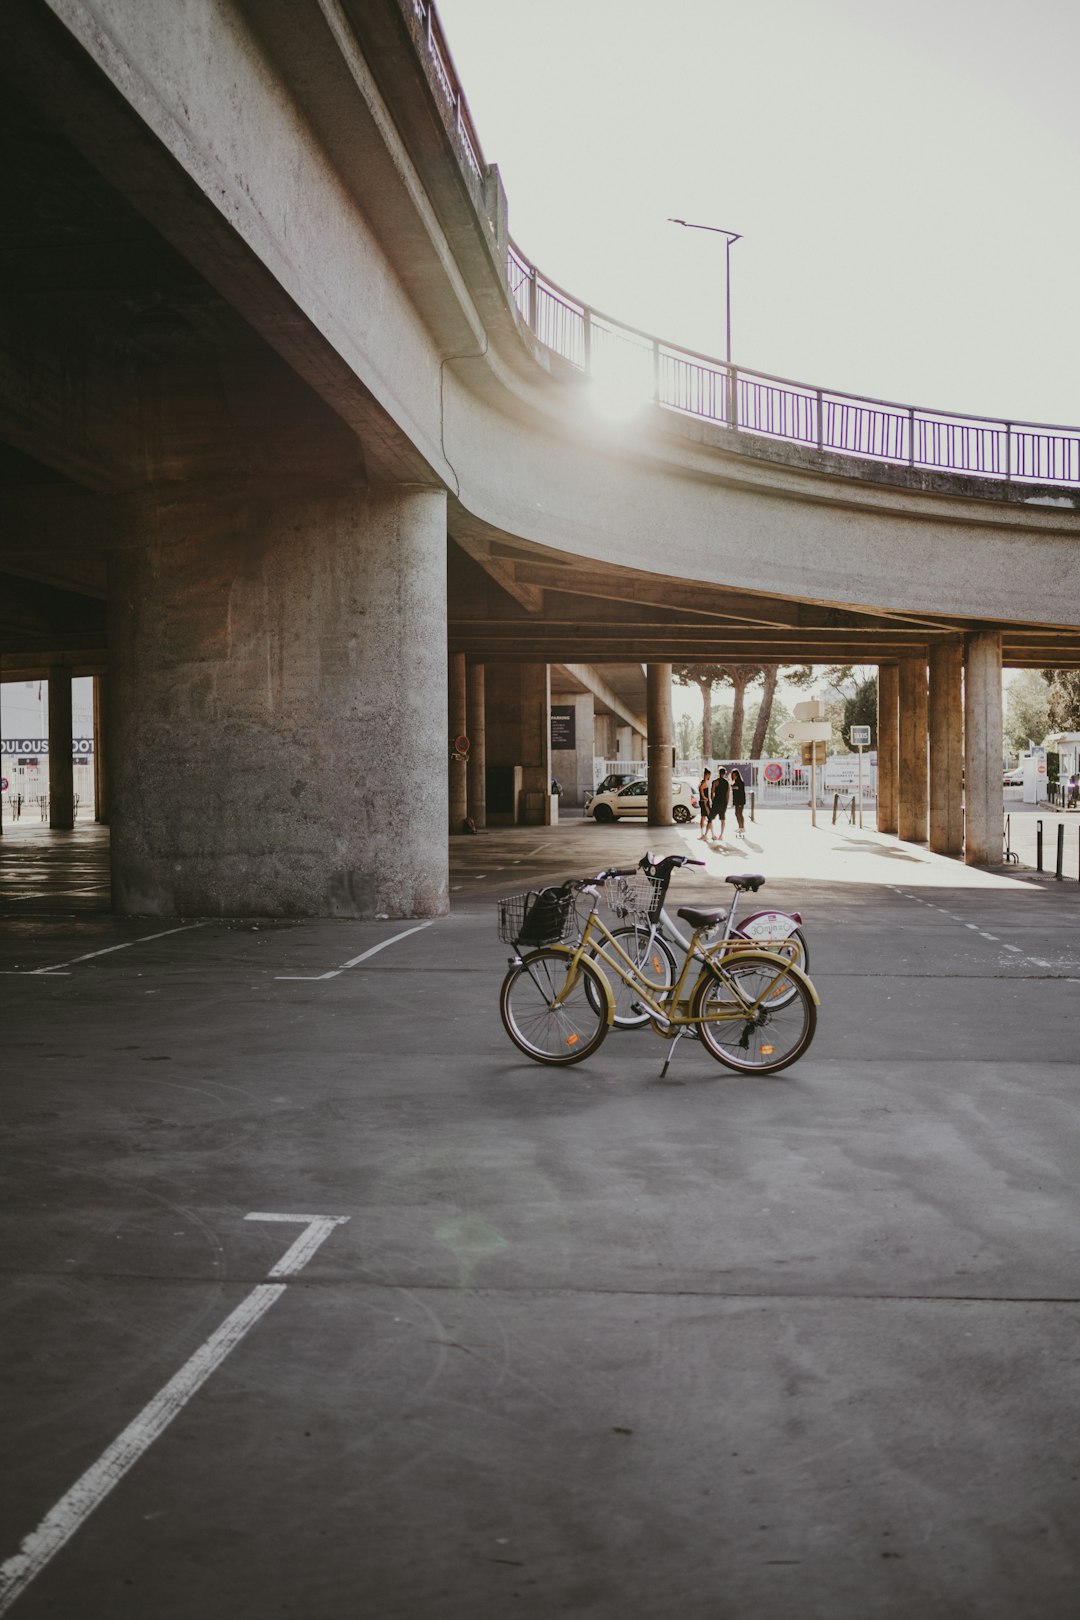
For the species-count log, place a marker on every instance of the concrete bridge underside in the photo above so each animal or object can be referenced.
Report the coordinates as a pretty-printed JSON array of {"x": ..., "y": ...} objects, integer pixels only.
[{"x": 281, "y": 465}]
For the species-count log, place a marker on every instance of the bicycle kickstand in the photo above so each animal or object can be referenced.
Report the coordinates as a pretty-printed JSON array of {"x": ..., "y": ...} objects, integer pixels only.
[{"x": 675, "y": 1039}]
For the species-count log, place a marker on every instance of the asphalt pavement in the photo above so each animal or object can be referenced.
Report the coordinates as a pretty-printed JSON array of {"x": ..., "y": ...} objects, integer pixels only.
[{"x": 321, "y": 1300}]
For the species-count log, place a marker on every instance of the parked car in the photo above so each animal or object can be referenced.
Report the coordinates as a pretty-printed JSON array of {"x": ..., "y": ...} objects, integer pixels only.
[
  {"x": 1014, "y": 778},
  {"x": 614, "y": 779},
  {"x": 632, "y": 799}
]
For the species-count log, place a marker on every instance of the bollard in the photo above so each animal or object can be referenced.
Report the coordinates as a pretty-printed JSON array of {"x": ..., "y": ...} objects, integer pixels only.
[
  {"x": 753, "y": 804},
  {"x": 835, "y": 806},
  {"x": 1038, "y": 844},
  {"x": 1060, "y": 850}
]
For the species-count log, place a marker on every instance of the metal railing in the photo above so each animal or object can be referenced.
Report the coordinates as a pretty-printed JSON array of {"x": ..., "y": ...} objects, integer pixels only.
[{"x": 753, "y": 403}]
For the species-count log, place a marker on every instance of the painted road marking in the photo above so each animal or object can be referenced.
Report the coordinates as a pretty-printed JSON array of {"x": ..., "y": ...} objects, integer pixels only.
[
  {"x": 126, "y": 945},
  {"x": 313, "y": 978},
  {"x": 62, "y": 1521}
]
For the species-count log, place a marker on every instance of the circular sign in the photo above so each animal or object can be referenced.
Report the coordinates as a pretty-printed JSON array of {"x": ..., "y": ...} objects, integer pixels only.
[
  {"x": 4, "y": 784},
  {"x": 1042, "y": 769},
  {"x": 773, "y": 773},
  {"x": 461, "y": 744}
]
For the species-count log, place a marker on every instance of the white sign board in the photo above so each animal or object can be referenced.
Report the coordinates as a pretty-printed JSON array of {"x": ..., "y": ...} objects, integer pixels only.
[{"x": 860, "y": 736}]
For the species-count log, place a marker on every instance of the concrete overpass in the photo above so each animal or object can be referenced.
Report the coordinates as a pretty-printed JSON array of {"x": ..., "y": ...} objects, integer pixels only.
[{"x": 283, "y": 453}]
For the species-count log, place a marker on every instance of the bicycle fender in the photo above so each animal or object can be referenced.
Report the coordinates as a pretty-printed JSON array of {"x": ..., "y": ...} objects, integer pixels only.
[{"x": 789, "y": 968}]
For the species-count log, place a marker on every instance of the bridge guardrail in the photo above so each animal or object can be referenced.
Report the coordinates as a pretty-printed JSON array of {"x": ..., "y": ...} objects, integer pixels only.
[{"x": 754, "y": 403}]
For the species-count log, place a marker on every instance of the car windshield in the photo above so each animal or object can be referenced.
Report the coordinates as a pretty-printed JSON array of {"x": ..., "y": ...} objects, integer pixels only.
[{"x": 633, "y": 789}]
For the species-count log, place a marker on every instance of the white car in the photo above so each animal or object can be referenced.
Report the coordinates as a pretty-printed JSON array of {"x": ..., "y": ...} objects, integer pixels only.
[
  {"x": 633, "y": 800},
  {"x": 1015, "y": 777}
]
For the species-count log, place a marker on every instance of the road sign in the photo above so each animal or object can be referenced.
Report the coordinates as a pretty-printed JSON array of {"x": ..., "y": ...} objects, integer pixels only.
[
  {"x": 860, "y": 736},
  {"x": 4, "y": 784},
  {"x": 773, "y": 773}
]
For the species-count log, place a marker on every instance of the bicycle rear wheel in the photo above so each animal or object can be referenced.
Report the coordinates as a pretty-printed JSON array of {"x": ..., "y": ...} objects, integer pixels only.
[
  {"x": 756, "y": 1016},
  {"x": 549, "y": 1033},
  {"x": 652, "y": 956}
]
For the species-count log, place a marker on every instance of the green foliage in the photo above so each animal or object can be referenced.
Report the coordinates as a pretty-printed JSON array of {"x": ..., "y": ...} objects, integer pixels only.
[
  {"x": 1063, "y": 706},
  {"x": 860, "y": 709},
  {"x": 1027, "y": 710}
]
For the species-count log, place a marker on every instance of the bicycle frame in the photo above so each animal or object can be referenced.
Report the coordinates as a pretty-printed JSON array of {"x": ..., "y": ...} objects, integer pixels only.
[{"x": 672, "y": 1009}]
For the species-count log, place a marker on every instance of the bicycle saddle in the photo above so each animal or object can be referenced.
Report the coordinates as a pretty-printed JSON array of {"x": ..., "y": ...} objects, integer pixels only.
[
  {"x": 745, "y": 880},
  {"x": 701, "y": 919}
]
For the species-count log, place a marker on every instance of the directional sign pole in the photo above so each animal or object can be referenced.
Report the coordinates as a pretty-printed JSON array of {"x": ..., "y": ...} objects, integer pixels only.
[{"x": 813, "y": 782}]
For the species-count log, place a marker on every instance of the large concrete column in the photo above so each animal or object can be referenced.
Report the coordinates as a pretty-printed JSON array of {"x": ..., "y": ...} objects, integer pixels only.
[
  {"x": 477, "y": 729},
  {"x": 606, "y": 737},
  {"x": 947, "y": 748},
  {"x": 888, "y": 747},
  {"x": 661, "y": 735},
  {"x": 536, "y": 744},
  {"x": 101, "y": 751},
  {"x": 277, "y": 713},
  {"x": 983, "y": 795},
  {"x": 574, "y": 766},
  {"x": 457, "y": 711},
  {"x": 913, "y": 797},
  {"x": 61, "y": 773}
]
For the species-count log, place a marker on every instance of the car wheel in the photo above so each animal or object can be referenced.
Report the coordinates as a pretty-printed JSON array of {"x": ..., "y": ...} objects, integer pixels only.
[
  {"x": 603, "y": 812},
  {"x": 681, "y": 813}
]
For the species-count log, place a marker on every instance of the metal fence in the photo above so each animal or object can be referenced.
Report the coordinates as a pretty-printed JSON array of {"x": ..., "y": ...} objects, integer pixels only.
[{"x": 753, "y": 403}]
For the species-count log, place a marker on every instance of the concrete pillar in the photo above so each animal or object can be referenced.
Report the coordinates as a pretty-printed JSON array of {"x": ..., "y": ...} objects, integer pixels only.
[
  {"x": 277, "y": 713},
  {"x": 912, "y": 799},
  {"x": 61, "y": 772},
  {"x": 605, "y": 737},
  {"x": 661, "y": 735},
  {"x": 535, "y": 809},
  {"x": 101, "y": 752},
  {"x": 457, "y": 712},
  {"x": 624, "y": 742},
  {"x": 574, "y": 766},
  {"x": 983, "y": 795},
  {"x": 947, "y": 748},
  {"x": 888, "y": 747},
  {"x": 477, "y": 729}
]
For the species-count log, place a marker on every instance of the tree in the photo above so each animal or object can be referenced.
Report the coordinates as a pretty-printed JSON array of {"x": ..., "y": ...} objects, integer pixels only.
[
  {"x": 1027, "y": 710},
  {"x": 706, "y": 677},
  {"x": 860, "y": 709},
  {"x": 1063, "y": 707}
]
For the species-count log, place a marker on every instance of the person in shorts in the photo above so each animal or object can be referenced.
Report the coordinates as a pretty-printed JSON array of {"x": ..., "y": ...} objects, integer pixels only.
[{"x": 720, "y": 795}]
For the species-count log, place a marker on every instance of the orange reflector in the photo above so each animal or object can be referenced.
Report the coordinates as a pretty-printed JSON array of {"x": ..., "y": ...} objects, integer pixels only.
[
  {"x": 571, "y": 1040},
  {"x": 656, "y": 964},
  {"x": 767, "y": 1051}
]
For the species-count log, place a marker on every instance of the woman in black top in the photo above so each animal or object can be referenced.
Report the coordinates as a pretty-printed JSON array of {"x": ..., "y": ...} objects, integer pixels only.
[
  {"x": 721, "y": 789},
  {"x": 704, "y": 793},
  {"x": 738, "y": 799}
]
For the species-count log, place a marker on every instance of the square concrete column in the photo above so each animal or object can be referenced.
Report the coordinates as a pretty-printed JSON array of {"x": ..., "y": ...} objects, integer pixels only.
[
  {"x": 661, "y": 736},
  {"x": 606, "y": 737},
  {"x": 888, "y": 747},
  {"x": 912, "y": 798},
  {"x": 535, "y": 808},
  {"x": 477, "y": 729},
  {"x": 984, "y": 796},
  {"x": 101, "y": 751},
  {"x": 947, "y": 748},
  {"x": 277, "y": 713},
  {"x": 458, "y": 727},
  {"x": 61, "y": 772},
  {"x": 574, "y": 766}
]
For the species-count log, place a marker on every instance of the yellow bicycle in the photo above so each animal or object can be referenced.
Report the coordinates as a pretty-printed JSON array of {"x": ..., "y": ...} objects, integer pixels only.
[{"x": 755, "y": 1011}]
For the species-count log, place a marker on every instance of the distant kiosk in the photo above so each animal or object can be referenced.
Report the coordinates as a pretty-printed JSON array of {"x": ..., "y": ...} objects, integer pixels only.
[{"x": 810, "y": 727}]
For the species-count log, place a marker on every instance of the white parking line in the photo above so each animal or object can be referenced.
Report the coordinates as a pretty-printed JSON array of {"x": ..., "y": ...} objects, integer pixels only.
[
  {"x": 58, "y": 967},
  {"x": 62, "y": 1521},
  {"x": 313, "y": 978}
]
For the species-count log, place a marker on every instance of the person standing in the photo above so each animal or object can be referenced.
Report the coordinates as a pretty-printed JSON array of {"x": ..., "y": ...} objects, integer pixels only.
[
  {"x": 738, "y": 799},
  {"x": 704, "y": 794},
  {"x": 720, "y": 793}
]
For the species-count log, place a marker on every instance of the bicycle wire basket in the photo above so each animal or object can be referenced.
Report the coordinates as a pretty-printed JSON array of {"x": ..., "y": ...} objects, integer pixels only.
[
  {"x": 537, "y": 917},
  {"x": 639, "y": 898}
]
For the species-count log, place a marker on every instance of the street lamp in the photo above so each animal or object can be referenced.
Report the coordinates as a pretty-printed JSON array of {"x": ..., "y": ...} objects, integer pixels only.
[{"x": 729, "y": 238}]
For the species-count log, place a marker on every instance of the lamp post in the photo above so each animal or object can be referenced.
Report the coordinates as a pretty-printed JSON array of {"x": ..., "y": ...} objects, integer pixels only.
[{"x": 729, "y": 238}]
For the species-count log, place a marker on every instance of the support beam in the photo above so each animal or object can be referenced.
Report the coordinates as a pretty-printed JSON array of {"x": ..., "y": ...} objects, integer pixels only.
[
  {"x": 888, "y": 748},
  {"x": 661, "y": 734},
  {"x": 983, "y": 794},
  {"x": 477, "y": 729},
  {"x": 913, "y": 795},
  {"x": 101, "y": 750},
  {"x": 536, "y": 744},
  {"x": 947, "y": 749},
  {"x": 458, "y": 723},
  {"x": 61, "y": 773}
]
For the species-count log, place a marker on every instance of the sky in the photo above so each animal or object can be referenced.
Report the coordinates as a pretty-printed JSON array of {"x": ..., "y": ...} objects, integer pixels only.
[{"x": 903, "y": 179}]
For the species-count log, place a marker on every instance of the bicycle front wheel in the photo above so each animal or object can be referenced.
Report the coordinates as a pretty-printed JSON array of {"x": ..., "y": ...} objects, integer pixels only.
[
  {"x": 653, "y": 959},
  {"x": 756, "y": 1015},
  {"x": 548, "y": 1030}
]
